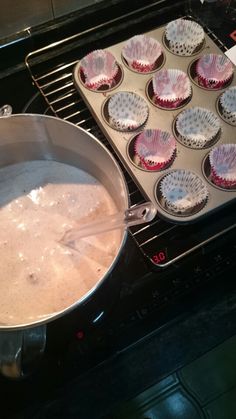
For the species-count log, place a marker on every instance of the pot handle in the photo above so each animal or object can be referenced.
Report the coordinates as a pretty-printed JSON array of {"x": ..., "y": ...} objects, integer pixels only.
[
  {"x": 20, "y": 351},
  {"x": 6, "y": 110}
]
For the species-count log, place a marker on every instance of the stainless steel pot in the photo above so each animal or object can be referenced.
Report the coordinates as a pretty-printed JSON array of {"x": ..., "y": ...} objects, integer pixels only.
[{"x": 26, "y": 137}]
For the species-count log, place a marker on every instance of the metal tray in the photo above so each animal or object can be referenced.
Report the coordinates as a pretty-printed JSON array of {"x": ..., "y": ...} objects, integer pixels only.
[{"x": 195, "y": 160}]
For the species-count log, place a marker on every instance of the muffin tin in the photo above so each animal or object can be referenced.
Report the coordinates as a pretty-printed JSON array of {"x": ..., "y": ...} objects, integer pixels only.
[{"x": 186, "y": 157}]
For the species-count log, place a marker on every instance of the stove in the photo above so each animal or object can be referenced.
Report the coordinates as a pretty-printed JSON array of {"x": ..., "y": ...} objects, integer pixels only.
[
  {"x": 168, "y": 273},
  {"x": 51, "y": 70}
]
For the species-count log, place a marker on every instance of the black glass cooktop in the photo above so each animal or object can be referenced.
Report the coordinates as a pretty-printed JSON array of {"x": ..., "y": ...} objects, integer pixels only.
[{"x": 155, "y": 320}]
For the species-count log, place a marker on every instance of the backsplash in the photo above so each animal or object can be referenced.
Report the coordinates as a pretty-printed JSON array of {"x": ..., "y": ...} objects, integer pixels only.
[{"x": 25, "y": 14}]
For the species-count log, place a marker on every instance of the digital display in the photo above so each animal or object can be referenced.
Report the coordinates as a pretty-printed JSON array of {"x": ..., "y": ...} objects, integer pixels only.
[{"x": 159, "y": 257}]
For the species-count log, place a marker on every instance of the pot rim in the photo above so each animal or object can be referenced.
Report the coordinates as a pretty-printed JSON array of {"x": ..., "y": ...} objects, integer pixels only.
[{"x": 53, "y": 316}]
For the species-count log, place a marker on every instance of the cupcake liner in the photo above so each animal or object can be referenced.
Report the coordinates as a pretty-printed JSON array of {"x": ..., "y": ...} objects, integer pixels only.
[
  {"x": 141, "y": 53},
  {"x": 155, "y": 148},
  {"x": 197, "y": 127},
  {"x": 228, "y": 105},
  {"x": 223, "y": 165},
  {"x": 183, "y": 190},
  {"x": 136, "y": 159},
  {"x": 127, "y": 111},
  {"x": 214, "y": 70},
  {"x": 171, "y": 87},
  {"x": 222, "y": 183},
  {"x": 167, "y": 104},
  {"x": 184, "y": 36},
  {"x": 99, "y": 68}
]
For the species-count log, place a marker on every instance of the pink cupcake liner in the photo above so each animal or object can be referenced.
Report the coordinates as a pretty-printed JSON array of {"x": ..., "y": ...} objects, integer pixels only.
[
  {"x": 222, "y": 183},
  {"x": 141, "y": 53},
  {"x": 167, "y": 103},
  {"x": 214, "y": 71},
  {"x": 171, "y": 87},
  {"x": 136, "y": 159},
  {"x": 98, "y": 68},
  {"x": 223, "y": 165},
  {"x": 184, "y": 36},
  {"x": 155, "y": 148}
]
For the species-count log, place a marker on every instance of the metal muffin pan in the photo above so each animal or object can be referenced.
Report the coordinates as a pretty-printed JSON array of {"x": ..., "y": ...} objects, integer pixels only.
[{"x": 187, "y": 158}]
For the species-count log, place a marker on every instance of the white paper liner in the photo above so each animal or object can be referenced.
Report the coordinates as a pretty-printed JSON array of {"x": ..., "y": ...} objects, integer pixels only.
[
  {"x": 228, "y": 104},
  {"x": 223, "y": 162},
  {"x": 171, "y": 85},
  {"x": 214, "y": 69},
  {"x": 141, "y": 52},
  {"x": 155, "y": 148},
  {"x": 127, "y": 111},
  {"x": 184, "y": 36},
  {"x": 183, "y": 190},
  {"x": 197, "y": 126},
  {"x": 99, "y": 67}
]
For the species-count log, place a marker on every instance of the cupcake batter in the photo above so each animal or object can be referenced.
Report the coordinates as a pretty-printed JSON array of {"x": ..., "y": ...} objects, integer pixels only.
[{"x": 39, "y": 201}]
